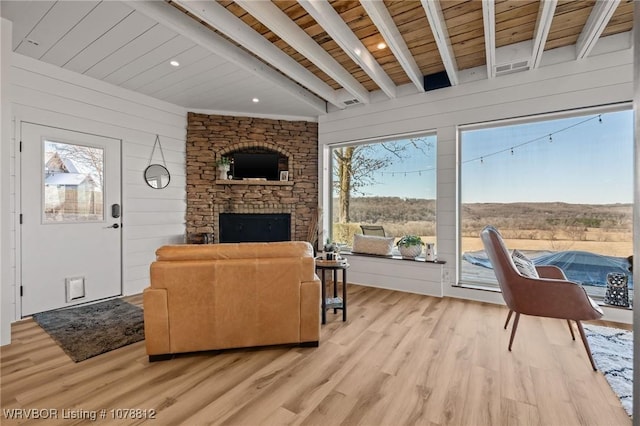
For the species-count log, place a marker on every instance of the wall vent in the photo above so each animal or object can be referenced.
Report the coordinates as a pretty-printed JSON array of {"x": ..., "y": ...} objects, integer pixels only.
[{"x": 512, "y": 67}]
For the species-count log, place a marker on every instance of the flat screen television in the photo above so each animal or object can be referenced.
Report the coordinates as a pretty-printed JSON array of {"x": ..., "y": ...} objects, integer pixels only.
[{"x": 255, "y": 166}]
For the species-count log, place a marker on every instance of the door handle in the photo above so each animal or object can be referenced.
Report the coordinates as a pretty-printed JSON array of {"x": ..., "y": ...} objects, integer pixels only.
[{"x": 114, "y": 226}]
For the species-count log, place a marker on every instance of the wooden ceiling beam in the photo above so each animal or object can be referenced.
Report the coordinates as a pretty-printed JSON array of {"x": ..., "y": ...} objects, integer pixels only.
[
  {"x": 441, "y": 35},
  {"x": 172, "y": 18},
  {"x": 597, "y": 22},
  {"x": 326, "y": 16},
  {"x": 489, "y": 20},
  {"x": 543, "y": 25},
  {"x": 233, "y": 27},
  {"x": 279, "y": 23},
  {"x": 381, "y": 18}
]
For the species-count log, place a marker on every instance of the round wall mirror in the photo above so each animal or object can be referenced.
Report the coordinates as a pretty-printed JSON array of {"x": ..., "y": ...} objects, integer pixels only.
[{"x": 157, "y": 176}]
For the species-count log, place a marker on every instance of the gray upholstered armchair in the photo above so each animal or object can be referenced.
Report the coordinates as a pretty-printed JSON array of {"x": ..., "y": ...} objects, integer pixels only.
[{"x": 551, "y": 295}]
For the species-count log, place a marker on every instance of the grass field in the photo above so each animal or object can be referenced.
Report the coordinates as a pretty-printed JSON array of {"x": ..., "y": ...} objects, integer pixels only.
[
  {"x": 554, "y": 226},
  {"x": 608, "y": 248}
]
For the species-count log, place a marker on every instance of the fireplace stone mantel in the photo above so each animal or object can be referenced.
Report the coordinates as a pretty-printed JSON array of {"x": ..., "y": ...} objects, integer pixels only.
[{"x": 254, "y": 182}]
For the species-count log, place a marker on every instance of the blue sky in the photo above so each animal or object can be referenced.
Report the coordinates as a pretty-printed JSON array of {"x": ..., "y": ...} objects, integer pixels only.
[
  {"x": 590, "y": 162},
  {"x": 411, "y": 177}
]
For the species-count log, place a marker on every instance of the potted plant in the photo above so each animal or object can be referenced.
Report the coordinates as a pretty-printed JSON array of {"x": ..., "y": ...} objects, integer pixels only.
[
  {"x": 329, "y": 246},
  {"x": 224, "y": 164},
  {"x": 410, "y": 246}
]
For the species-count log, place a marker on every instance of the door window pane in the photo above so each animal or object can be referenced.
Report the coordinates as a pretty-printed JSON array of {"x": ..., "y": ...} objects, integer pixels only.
[{"x": 73, "y": 183}]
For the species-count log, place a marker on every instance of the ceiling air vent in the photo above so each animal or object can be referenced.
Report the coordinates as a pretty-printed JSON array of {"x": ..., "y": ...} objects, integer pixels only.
[
  {"x": 512, "y": 67},
  {"x": 351, "y": 102}
]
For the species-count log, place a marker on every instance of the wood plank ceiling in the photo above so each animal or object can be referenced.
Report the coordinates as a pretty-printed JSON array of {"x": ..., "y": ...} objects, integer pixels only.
[
  {"x": 459, "y": 23},
  {"x": 311, "y": 52}
]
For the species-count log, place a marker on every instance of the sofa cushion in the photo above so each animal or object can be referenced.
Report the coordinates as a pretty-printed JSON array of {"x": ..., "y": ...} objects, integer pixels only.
[
  {"x": 368, "y": 244},
  {"x": 181, "y": 252}
]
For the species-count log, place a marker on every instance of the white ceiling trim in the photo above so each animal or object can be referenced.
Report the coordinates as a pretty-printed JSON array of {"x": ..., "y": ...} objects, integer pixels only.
[
  {"x": 233, "y": 27},
  {"x": 176, "y": 20},
  {"x": 381, "y": 18},
  {"x": 489, "y": 21},
  {"x": 543, "y": 25},
  {"x": 440, "y": 33},
  {"x": 325, "y": 15},
  {"x": 597, "y": 22},
  {"x": 277, "y": 21}
]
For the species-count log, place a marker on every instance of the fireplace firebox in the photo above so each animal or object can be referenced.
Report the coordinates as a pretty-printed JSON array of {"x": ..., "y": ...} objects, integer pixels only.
[{"x": 245, "y": 228}]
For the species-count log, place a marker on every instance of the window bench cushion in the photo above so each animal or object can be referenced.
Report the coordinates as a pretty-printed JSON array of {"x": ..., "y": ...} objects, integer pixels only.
[{"x": 367, "y": 244}]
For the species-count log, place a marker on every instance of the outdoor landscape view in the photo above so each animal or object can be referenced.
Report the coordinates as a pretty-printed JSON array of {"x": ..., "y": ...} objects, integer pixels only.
[{"x": 558, "y": 189}]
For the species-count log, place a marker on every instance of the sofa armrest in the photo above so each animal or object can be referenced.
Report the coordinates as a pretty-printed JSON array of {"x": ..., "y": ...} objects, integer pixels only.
[
  {"x": 156, "y": 321},
  {"x": 310, "y": 311}
]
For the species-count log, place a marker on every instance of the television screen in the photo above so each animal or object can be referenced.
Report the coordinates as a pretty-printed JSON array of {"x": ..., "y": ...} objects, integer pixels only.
[{"x": 255, "y": 166}]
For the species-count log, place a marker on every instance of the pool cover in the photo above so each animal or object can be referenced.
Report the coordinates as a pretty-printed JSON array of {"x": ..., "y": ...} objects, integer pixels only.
[{"x": 579, "y": 266}]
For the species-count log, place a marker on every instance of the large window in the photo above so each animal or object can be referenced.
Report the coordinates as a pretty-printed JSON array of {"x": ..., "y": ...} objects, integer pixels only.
[
  {"x": 558, "y": 189},
  {"x": 390, "y": 184}
]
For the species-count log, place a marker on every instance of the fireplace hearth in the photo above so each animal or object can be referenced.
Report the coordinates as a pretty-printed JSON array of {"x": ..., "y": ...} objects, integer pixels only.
[{"x": 245, "y": 228}]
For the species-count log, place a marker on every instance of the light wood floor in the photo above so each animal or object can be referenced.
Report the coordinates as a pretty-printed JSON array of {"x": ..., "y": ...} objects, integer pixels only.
[{"x": 400, "y": 359}]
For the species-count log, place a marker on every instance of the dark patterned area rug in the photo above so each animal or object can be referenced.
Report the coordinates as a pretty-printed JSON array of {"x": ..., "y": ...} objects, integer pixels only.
[
  {"x": 86, "y": 331},
  {"x": 612, "y": 350}
]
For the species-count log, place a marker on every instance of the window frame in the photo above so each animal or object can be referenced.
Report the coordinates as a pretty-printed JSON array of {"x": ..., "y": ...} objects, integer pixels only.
[
  {"x": 330, "y": 164},
  {"x": 548, "y": 116}
]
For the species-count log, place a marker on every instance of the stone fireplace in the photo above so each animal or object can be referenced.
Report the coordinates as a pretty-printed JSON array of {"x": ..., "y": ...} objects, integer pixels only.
[{"x": 210, "y": 137}]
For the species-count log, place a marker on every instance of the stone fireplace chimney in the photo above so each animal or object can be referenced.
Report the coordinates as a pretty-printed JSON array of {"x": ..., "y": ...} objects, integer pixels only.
[{"x": 210, "y": 137}]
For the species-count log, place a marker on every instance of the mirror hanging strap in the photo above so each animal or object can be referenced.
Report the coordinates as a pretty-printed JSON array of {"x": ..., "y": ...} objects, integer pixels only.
[{"x": 159, "y": 145}]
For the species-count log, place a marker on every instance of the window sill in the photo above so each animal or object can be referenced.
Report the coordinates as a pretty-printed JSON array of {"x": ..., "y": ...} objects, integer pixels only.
[
  {"x": 599, "y": 301},
  {"x": 394, "y": 257},
  {"x": 480, "y": 287}
]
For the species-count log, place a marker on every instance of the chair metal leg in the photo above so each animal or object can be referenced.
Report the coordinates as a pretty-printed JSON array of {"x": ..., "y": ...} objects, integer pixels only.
[
  {"x": 506, "y": 323},
  {"x": 513, "y": 330},
  {"x": 586, "y": 345},
  {"x": 573, "y": 336}
]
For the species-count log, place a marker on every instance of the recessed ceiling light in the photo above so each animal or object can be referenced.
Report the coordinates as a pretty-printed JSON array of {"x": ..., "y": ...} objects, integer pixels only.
[
  {"x": 175, "y": 63},
  {"x": 357, "y": 51},
  {"x": 255, "y": 100},
  {"x": 381, "y": 46}
]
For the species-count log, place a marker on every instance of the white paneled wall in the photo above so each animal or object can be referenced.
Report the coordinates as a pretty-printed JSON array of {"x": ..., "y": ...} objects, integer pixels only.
[
  {"x": 597, "y": 80},
  {"x": 412, "y": 277},
  {"x": 6, "y": 264},
  {"x": 48, "y": 95}
]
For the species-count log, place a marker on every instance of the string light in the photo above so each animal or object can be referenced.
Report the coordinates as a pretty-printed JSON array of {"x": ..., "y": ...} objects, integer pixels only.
[
  {"x": 510, "y": 149},
  {"x": 549, "y": 135},
  {"x": 406, "y": 172}
]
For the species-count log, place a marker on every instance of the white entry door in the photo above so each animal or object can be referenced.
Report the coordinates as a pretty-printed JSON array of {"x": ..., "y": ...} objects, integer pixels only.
[{"x": 71, "y": 235}]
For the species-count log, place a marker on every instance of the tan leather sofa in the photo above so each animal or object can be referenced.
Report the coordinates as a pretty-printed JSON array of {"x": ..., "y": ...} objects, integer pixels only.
[{"x": 207, "y": 297}]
